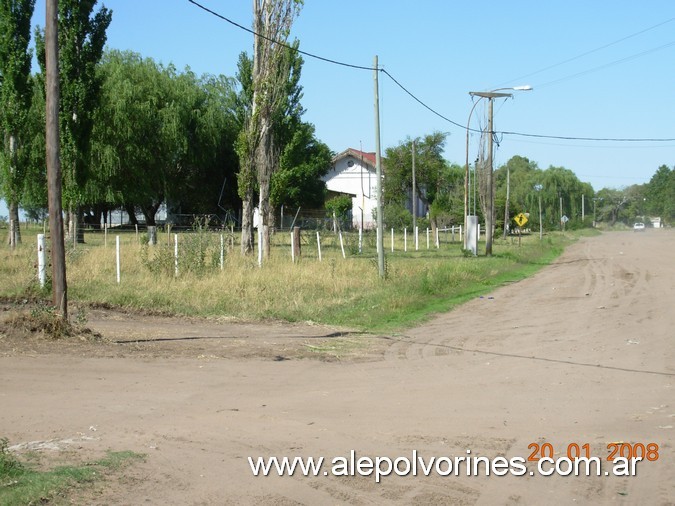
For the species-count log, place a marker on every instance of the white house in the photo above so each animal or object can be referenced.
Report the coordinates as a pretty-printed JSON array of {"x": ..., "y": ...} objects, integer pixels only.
[{"x": 353, "y": 173}]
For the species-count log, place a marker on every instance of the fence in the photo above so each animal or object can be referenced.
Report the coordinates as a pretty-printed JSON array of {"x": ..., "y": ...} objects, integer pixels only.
[{"x": 203, "y": 250}]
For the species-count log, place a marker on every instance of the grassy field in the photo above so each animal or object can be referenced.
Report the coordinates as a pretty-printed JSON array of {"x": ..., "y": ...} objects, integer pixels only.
[{"x": 341, "y": 291}]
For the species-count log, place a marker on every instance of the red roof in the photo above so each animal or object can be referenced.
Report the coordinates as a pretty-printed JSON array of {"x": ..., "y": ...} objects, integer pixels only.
[{"x": 368, "y": 157}]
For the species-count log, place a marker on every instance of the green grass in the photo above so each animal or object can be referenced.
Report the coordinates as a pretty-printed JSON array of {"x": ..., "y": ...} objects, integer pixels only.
[
  {"x": 346, "y": 292},
  {"x": 21, "y": 483}
]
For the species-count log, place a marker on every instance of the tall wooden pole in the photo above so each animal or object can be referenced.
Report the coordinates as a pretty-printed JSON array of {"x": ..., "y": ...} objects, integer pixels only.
[
  {"x": 59, "y": 289},
  {"x": 414, "y": 189},
  {"x": 378, "y": 167},
  {"x": 489, "y": 197},
  {"x": 506, "y": 206}
]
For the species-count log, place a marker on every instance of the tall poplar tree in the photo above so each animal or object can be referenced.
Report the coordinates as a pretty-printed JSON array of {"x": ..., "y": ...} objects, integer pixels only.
[
  {"x": 82, "y": 37},
  {"x": 258, "y": 152},
  {"x": 15, "y": 99}
]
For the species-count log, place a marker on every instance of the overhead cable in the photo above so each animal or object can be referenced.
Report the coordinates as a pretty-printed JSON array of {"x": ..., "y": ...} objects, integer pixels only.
[{"x": 412, "y": 95}]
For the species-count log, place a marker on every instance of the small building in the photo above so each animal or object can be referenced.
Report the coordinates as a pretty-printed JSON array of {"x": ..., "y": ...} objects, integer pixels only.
[{"x": 353, "y": 173}]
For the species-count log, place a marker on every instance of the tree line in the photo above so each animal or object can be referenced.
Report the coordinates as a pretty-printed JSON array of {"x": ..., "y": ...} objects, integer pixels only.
[
  {"x": 440, "y": 185},
  {"x": 136, "y": 134}
]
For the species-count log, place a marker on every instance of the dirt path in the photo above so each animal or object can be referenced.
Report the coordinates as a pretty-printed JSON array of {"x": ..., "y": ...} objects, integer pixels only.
[{"x": 580, "y": 353}]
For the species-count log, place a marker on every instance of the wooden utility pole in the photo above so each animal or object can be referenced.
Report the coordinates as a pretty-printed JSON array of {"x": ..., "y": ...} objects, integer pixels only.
[
  {"x": 59, "y": 289},
  {"x": 414, "y": 189},
  {"x": 378, "y": 168},
  {"x": 506, "y": 207},
  {"x": 489, "y": 199}
]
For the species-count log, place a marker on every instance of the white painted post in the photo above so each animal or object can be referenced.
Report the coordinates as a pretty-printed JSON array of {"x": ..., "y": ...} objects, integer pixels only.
[
  {"x": 292, "y": 247},
  {"x": 318, "y": 243},
  {"x": 438, "y": 244},
  {"x": 137, "y": 238},
  {"x": 175, "y": 252},
  {"x": 117, "y": 258},
  {"x": 360, "y": 240},
  {"x": 42, "y": 260},
  {"x": 478, "y": 228},
  {"x": 222, "y": 252},
  {"x": 427, "y": 238},
  {"x": 453, "y": 233},
  {"x": 417, "y": 239},
  {"x": 460, "y": 233},
  {"x": 392, "y": 240},
  {"x": 405, "y": 239},
  {"x": 342, "y": 245}
]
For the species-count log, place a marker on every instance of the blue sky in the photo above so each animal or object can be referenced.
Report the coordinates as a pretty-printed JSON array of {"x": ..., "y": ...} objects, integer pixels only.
[{"x": 594, "y": 74}]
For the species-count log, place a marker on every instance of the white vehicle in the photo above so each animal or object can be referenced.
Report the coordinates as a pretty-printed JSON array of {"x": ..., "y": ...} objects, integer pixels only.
[{"x": 639, "y": 227}]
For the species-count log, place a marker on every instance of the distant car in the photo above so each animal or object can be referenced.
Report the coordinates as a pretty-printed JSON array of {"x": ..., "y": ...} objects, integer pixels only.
[{"x": 639, "y": 227}]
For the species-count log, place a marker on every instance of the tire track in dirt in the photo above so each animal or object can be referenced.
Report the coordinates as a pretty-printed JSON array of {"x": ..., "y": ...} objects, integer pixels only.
[{"x": 581, "y": 352}]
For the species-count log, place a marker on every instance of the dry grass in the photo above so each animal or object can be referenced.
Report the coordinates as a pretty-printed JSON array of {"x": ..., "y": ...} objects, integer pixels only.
[{"x": 336, "y": 290}]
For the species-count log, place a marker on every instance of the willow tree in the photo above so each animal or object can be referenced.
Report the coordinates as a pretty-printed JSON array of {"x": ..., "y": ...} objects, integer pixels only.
[
  {"x": 258, "y": 151},
  {"x": 15, "y": 99}
]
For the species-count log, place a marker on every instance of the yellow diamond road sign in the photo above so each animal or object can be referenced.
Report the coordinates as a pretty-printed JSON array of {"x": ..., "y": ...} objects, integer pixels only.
[{"x": 520, "y": 219}]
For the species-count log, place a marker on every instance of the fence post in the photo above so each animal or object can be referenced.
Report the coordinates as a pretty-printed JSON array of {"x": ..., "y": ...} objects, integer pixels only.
[
  {"x": 175, "y": 252},
  {"x": 342, "y": 245},
  {"x": 296, "y": 243},
  {"x": 438, "y": 244},
  {"x": 138, "y": 240},
  {"x": 117, "y": 257},
  {"x": 460, "y": 232},
  {"x": 427, "y": 237},
  {"x": 222, "y": 252},
  {"x": 292, "y": 247},
  {"x": 42, "y": 271},
  {"x": 417, "y": 239},
  {"x": 453, "y": 234},
  {"x": 318, "y": 243}
]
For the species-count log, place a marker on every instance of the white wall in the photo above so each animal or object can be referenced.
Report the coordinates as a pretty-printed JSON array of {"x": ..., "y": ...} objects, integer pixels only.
[{"x": 359, "y": 181}]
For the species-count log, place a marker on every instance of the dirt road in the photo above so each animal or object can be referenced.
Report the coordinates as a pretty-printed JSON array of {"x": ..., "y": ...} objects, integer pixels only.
[{"x": 583, "y": 352}]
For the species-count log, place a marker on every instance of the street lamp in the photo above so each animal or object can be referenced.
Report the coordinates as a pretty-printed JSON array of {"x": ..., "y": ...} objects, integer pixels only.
[{"x": 490, "y": 95}]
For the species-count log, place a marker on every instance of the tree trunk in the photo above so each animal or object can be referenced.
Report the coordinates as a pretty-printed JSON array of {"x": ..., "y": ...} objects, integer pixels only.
[
  {"x": 247, "y": 224},
  {"x": 131, "y": 212},
  {"x": 75, "y": 225},
  {"x": 14, "y": 229},
  {"x": 150, "y": 212},
  {"x": 265, "y": 162}
]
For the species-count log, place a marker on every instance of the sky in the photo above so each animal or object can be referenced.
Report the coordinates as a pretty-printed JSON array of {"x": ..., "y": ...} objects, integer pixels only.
[{"x": 600, "y": 69}]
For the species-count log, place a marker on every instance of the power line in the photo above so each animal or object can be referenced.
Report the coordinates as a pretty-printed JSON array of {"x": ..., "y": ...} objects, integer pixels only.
[
  {"x": 610, "y": 64},
  {"x": 414, "y": 97},
  {"x": 283, "y": 44},
  {"x": 593, "y": 139},
  {"x": 589, "y": 52}
]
